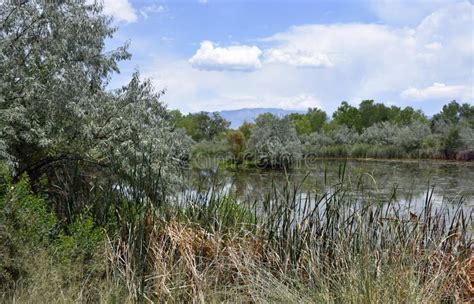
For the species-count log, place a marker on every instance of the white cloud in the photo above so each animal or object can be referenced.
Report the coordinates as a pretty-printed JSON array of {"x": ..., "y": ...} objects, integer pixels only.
[
  {"x": 121, "y": 10},
  {"x": 323, "y": 46},
  {"x": 388, "y": 63},
  {"x": 374, "y": 60},
  {"x": 232, "y": 58},
  {"x": 439, "y": 91},
  {"x": 151, "y": 9},
  {"x": 298, "y": 58}
]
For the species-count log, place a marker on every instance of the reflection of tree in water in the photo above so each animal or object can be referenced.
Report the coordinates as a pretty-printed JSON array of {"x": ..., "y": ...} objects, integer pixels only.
[
  {"x": 240, "y": 184},
  {"x": 375, "y": 179}
]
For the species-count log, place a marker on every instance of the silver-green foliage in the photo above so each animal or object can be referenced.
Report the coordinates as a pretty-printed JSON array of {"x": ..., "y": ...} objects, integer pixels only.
[
  {"x": 274, "y": 140},
  {"x": 466, "y": 132},
  {"x": 412, "y": 136},
  {"x": 380, "y": 133},
  {"x": 342, "y": 135},
  {"x": 54, "y": 106},
  {"x": 317, "y": 139}
]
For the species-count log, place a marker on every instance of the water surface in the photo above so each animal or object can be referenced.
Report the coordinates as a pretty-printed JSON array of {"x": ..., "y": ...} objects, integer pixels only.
[{"x": 406, "y": 181}]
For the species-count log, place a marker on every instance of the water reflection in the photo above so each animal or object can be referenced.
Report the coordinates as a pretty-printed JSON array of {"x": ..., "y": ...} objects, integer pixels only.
[{"x": 406, "y": 181}]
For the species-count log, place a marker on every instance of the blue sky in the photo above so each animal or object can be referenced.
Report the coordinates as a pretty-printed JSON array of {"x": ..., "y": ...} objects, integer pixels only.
[{"x": 216, "y": 55}]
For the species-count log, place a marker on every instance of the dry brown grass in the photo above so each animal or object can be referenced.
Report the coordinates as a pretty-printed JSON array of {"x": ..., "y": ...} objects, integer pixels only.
[
  {"x": 186, "y": 263},
  {"x": 189, "y": 261}
]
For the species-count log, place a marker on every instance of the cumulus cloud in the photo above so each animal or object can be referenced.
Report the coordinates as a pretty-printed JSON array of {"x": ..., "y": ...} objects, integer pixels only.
[
  {"x": 373, "y": 60},
  {"x": 232, "y": 58},
  {"x": 439, "y": 91},
  {"x": 354, "y": 61},
  {"x": 322, "y": 46},
  {"x": 121, "y": 10}
]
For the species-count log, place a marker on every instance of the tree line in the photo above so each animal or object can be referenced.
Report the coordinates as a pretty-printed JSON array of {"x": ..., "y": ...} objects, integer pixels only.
[{"x": 369, "y": 130}]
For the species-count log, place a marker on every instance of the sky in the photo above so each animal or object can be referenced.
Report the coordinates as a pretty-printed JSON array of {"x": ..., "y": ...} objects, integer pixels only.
[{"x": 212, "y": 55}]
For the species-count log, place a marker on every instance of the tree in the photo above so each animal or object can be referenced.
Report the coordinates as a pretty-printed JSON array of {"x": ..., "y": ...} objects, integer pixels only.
[
  {"x": 408, "y": 116},
  {"x": 58, "y": 119},
  {"x": 246, "y": 129},
  {"x": 302, "y": 123},
  {"x": 347, "y": 115},
  {"x": 453, "y": 113},
  {"x": 236, "y": 142},
  {"x": 274, "y": 141},
  {"x": 203, "y": 125},
  {"x": 217, "y": 125},
  {"x": 451, "y": 142},
  {"x": 310, "y": 122},
  {"x": 317, "y": 119},
  {"x": 372, "y": 113},
  {"x": 176, "y": 117},
  {"x": 466, "y": 113},
  {"x": 450, "y": 112}
]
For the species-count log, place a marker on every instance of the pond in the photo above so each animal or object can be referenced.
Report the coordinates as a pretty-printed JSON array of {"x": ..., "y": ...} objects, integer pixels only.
[{"x": 448, "y": 182}]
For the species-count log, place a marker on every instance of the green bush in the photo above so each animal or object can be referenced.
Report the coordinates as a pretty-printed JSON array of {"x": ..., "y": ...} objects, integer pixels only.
[
  {"x": 25, "y": 226},
  {"x": 32, "y": 245},
  {"x": 82, "y": 239}
]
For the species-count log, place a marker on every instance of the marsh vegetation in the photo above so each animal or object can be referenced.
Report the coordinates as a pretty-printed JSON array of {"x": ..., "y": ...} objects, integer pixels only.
[{"x": 103, "y": 197}]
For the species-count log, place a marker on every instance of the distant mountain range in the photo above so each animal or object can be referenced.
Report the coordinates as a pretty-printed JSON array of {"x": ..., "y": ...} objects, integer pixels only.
[{"x": 238, "y": 117}]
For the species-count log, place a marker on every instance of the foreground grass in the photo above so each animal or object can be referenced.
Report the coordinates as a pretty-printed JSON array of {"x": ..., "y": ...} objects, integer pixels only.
[{"x": 289, "y": 248}]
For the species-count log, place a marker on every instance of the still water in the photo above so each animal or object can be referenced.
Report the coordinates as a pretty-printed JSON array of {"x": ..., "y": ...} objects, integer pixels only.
[{"x": 449, "y": 182}]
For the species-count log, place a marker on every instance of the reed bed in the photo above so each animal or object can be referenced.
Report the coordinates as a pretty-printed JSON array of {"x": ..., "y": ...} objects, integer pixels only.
[{"x": 296, "y": 247}]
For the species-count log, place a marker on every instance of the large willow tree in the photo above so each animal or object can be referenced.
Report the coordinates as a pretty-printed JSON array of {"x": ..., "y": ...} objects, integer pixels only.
[{"x": 58, "y": 121}]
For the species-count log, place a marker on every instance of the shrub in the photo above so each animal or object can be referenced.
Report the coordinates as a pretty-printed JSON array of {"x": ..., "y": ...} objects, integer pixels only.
[
  {"x": 317, "y": 140},
  {"x": 81, "y": 239},
  {"x": 274, "y": 141},
  {"x": 344, "y": 135},
  {"x": 333, "y": 151},
  {"x": 411, "y": 137},
  {"x": 236, "y": 143},
  {"x": 466, "y": 134},
  {"x": 380, "y": 134},
  {"x": 26, "y": 225}
]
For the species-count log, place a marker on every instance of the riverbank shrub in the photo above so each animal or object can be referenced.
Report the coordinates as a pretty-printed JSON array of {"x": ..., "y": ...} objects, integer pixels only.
[
  {"x": 25, "y": 224},
  {"x": 274, "y": 142},
  {"x": 42, "y": 259}
]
